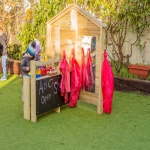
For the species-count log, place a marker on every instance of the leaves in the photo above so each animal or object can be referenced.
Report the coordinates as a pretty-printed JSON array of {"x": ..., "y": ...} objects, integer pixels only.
[{"x": 121, "y": 16}]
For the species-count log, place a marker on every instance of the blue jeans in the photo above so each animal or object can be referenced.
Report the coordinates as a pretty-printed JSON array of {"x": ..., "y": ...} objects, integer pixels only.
[{"x": 4, "y": 59}]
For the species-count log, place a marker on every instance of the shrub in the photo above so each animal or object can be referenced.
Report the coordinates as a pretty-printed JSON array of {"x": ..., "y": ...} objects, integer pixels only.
[{"x": 14, "y": 51}]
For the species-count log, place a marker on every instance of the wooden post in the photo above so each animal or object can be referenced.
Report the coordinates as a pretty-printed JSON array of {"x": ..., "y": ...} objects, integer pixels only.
[
  {"x": 26, "y": 97},
  {"x": 100, "y": 101},
  {"x": 33, "y": 91},
  {"x": 49, "y": 52}
]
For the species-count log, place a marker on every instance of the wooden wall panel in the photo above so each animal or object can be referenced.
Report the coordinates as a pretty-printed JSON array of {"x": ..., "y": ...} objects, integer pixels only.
[
  {"x": 67, "y": 37},
  {"x": 89, "y": 98},
  {"x": 86, "y": 27},
  {"x": 88, "y": 32},
  {"x": 63, "y": 22},
  {"x": 84, "y": 22},
  {"x": 68, "y": 49}
]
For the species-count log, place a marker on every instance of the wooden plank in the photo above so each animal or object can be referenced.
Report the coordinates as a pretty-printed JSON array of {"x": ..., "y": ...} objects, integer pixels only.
[
  {"x": 64, "y": 21},
  {"x": 26, "y": 97},
  {"x": 88, "y": 33},
  {"x": 81, "y": 11},
  {"x": 67, "y": 41},
  {"x": 89, "y": 16},
  {"x": 50, "y": 61},
  {"x": 100, "y": 102},
  {"x": 89, "y": 99},
  {"x": 48, "y": 41},
  {"x": 90, "y": 102},
  {"x": 68, "y": 50},
  {"x": 89, "y": 94},
  {"x": 33, "y": 91},
  {"x": 57, "y": 110},
  {"x": 60, "y": 15},
  {"x": 86, "y": 23},
  {"x": 57, "y": 43}
]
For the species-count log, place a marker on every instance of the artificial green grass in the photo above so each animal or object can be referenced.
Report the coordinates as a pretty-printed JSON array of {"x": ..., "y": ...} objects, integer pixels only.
[{"x": 79, "y": 128}]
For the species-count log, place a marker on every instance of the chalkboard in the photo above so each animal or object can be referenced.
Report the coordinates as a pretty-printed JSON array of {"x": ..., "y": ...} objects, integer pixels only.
[{"x": 48, "y": 94}]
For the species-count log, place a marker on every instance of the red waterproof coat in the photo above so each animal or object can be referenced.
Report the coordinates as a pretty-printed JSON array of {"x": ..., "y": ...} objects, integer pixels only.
[
  {"x": 65, "y": 80},
  {"x": 90, "y": 71},
  {"x": 84, "y": 74},
  {"x": 107, "y": 85},
  {"x": 75, "y": 81}
]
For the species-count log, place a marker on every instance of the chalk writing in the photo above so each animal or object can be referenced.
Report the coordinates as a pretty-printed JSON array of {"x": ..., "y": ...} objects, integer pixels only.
[
  {"x": 45, "y": 98},
  {"x": 48, "y": 94},
  {"x": 50, "y": 82},
  {"x": 48, "y": 85},
  {"x": 41, "y": 87}
]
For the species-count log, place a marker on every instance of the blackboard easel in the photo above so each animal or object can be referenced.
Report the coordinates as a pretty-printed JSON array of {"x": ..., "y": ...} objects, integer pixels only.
[{"x": 41, "y": 94}]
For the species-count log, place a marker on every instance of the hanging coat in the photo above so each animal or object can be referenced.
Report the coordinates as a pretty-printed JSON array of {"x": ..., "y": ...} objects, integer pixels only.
[
  {"x": 90, "y": 71},
  {"x": 107, "y": 85},
  {"x": 84, "y": 74},
  {"x": 75, "y": 81},
  {"x": 65, "y": 80}
]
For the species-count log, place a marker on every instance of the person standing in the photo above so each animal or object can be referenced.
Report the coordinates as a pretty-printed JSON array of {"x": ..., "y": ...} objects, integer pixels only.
[{"x": 3, "y": 41}]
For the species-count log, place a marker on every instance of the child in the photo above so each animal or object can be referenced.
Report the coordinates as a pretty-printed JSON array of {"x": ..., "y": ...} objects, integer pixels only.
[
  {"x": 38, "y": 50},
  {"x": 37, "y": 53},
  {"x": 27, "y": 57}
]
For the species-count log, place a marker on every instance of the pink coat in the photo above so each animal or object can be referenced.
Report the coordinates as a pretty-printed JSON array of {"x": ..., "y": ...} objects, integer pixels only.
[
  {"x": 90, "y": 71},
  {"x": 107, "y": 85},
  {"x": 75, "y": 82},
  {"x": 84, "y": 74},
  {"x": 65, "y": 80}
]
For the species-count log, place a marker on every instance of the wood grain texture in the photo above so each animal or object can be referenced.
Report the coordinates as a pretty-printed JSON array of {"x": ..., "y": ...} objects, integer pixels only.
[{"x": 26, "y": 97}]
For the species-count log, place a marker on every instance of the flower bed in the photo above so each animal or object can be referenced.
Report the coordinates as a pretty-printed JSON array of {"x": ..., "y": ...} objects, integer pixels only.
[{"x": 131, "y": 85}]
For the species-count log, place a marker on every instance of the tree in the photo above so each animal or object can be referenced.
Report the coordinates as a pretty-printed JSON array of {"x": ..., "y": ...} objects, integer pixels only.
[
  {"x": 36, "y": 28},
  {"x": 11, "y": 15},
  {"x": 122, "y": 17}
]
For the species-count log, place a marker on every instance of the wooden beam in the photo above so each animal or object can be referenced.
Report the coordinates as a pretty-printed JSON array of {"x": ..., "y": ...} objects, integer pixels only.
[
  {"x": 26, "y": 97},
  {"x": 39, "y": 63},
  {"x": 100, "y": 101},
  {"x": 33, "y": 91}
]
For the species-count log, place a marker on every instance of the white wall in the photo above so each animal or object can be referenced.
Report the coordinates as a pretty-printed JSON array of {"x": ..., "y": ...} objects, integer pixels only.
[{"x": 138, "y": 56}]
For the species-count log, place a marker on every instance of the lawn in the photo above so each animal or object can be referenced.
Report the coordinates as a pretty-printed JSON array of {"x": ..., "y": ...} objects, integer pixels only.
[{"x": 79, "y": 128}]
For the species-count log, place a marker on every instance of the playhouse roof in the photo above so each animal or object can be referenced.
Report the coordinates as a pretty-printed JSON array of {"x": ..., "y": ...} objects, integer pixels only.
[{"x": 81, "y": 11}]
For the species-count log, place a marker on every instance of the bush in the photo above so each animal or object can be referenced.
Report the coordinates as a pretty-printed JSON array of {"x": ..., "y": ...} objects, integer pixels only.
[{"x": 14, "y": 51}]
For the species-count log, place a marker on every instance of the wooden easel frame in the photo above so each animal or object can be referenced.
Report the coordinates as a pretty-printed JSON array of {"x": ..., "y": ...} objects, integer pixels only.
[{"x": 29, "y": 89}]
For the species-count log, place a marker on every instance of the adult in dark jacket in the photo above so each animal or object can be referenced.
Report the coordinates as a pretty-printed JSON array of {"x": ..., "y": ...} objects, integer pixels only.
[{"x": 3, "y": 41}]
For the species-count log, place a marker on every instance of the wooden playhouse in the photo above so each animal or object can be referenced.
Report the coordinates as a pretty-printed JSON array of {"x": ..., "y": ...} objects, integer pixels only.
[{"x": 75, "y": 28}]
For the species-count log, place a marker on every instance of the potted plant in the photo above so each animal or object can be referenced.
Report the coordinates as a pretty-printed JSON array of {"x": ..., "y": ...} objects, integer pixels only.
[{"x": 141, "y": 71}]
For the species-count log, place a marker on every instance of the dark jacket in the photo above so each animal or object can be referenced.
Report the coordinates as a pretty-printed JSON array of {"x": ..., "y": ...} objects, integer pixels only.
[
  {"x": 3, "y": 41},
  {"x": 25, "y": 63}
]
